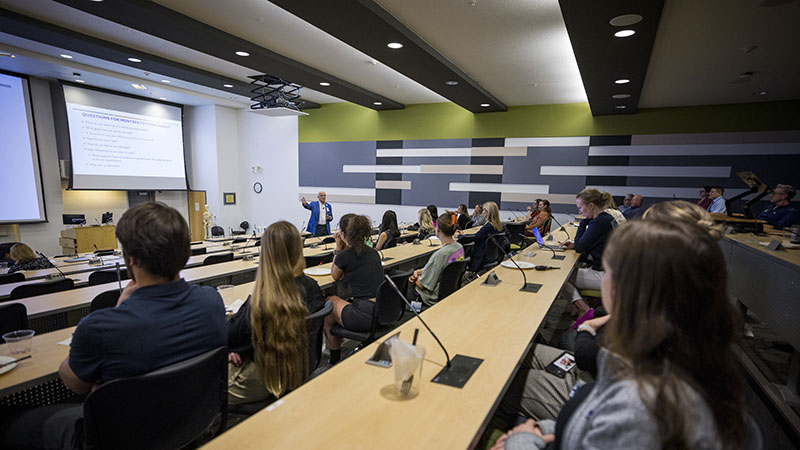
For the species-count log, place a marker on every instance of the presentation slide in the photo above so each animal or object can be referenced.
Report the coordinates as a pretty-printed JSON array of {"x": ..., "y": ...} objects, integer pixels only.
[
  {"x": 20, "y": 182},
  {"x": 121, "y": 143}
]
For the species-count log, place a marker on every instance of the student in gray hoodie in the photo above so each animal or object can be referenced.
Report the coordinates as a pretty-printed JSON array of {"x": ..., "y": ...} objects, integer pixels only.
[{"x": 667, "y": 377}]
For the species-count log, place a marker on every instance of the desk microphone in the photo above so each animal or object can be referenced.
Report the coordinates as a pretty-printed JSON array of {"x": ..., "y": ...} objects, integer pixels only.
[
  {"x": 526, "y": 287},
  {"x": 97, "y": 253},
  {"x": 119, "y": 277},
  {"x": 54, "y": 265},
  {"x": 544, "y": 246},
  {"x": 458, "y": 370},
  {"x": 563, "y": 228},
  {"x": 430, "y": 239},
  {"x": 98, "y": 222},
  {"x": 246, "y": 244}
]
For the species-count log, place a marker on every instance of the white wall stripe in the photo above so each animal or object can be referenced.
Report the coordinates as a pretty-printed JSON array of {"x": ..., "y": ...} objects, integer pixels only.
[
  {"x": 639, "y": 171},
  {"x": 555, "y": 199},
  {"x": 452, "y": 152},
  {"x": 662, "y": 192},
  {"x": 429, "y": 169},
  {"x": 697, "y": 150},
  {"x": 306, "y": 190},
  {"x": 501, "y": 187},
  {"x": 574, "y": 141},
  {"x": 388, "y": 184}
]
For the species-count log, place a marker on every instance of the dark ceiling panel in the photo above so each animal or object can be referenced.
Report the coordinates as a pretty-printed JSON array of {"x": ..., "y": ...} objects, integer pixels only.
[
  {"x": 368, "y": 27},
  {"x": 603, "y": 58},
  {"x": 162, "y": 22},
  {"x": 42, "y": 32}
]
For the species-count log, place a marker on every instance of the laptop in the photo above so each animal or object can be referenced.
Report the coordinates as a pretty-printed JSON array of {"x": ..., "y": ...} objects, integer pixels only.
[{"x": 541, "y": 243}]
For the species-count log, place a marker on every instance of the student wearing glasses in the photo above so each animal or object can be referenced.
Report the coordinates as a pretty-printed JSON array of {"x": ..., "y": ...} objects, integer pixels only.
[{"x": 780, "y": 215}]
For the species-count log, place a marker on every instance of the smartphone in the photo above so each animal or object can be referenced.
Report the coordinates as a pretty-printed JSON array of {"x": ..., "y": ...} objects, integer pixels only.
[
  {"x": 381, "y": 357},
  {"x": 561, "y": 365}
]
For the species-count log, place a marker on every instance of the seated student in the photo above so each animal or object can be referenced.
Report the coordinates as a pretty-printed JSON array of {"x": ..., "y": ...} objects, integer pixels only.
[
  {"x": 273, "y": 359},
  {"x": 25, "y": 259},
  {"x": 704, "y": 202},
  {"x": 491, "y": 214},
  {"x": 388, "y": 231},
  {"x": 5, "y": 252},
  {"x": 463, "y": 216},
  {"x": 360, "y": 266},
  {"x": 636, "y": 210},
  {"x": 533, "y": 212},
  {"x": 717, "y": 201},
  {"x": 541, "y": 220},
  {"x": 590, "y": 239},
  {"x": 434, "y": 213},
  {"x": 626, "y": 203},
  {"x": 478, "y": 219},
  {"x": 667, "y": 375},
  {"x": 611, "y": 208},
  {"x": 159, "y": 320},
  {"x": 426, "y": 280},
  {"x": 426, "y": 228},
  {"x": 780, "y": 215}
]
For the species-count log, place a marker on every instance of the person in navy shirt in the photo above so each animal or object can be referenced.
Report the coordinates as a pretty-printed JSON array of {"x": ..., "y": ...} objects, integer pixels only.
[
  {"x": 319, "y": 224},
  {"x": 780, "y": 215},
  {"x": 159, "y": 320}
]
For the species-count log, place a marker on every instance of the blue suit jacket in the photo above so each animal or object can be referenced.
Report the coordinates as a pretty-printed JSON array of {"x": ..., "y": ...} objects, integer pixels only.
[{"x": 314, "y": 220}]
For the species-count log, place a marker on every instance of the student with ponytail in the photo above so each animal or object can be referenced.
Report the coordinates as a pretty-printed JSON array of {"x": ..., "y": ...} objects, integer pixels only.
[{"x": 267, "y": 337}]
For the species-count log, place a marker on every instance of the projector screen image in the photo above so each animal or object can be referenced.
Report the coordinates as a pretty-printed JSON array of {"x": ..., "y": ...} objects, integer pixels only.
[
  {"x": 20, "y": 182},
  {"x": 122, "y": 143}
]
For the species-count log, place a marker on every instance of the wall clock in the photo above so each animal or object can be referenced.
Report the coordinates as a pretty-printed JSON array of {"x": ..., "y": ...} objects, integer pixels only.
[{"x": 257, "y": 187}]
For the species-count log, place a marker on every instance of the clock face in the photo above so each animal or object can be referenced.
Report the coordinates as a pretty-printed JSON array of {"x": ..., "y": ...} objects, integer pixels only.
[{"x": 257, "y": 187}]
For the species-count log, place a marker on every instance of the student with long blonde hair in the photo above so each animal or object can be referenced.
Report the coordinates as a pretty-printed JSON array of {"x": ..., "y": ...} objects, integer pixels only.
[
  {"x": 267, "y": 337},
  {"x": 425, "y": 224},
  {"x": 492, "y": 226}
]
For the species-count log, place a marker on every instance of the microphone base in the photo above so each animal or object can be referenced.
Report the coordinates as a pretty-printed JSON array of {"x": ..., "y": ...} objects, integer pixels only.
[
  {"x": 460, "y": 370},
  {"x": 491, "y": 280},
  {"x": 558, "y": 257},
  {"x": 531, "y": 287}
]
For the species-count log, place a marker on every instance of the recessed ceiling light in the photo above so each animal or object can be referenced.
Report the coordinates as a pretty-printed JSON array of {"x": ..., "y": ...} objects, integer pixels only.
[
  {"x": 141, "y": 87},
  {"x": 166, "y": 81},
  {"x": 241, "y": 53},
  {"x": 622, "y": 81},
  {"x": 227, "y": 85},
  {"x": 485, "y": 105},
  {"x": 134, "y": 60},
  {"x": 394, "y": 45},
  {"x": 748, "y": 49},
  {"x": 66, "y": 56},
  {"x": 377, "y": 103},
  {"x": 80, "y": 81},
  {"x": 7, "y": 55},
  {"x": 624, "y": 33},
  {"x": 97, "y": 1},
  {"x": 451, "y": 82},
  {"x": 374, "y": 62},
  {"x": 621, "y": 96},
  {"x": 620, "y": 107},
  {"x": 761, "y": 93},
  {"x": 162, "y": 98},
  {"x": 324, "y": 83},
  {"x": 625, "y": 20}
]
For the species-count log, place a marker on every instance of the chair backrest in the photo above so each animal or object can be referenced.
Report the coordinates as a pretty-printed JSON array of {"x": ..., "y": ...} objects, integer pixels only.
[
  {"x": 546, "y": 225},
  {"x": 515, "y": 232},
  {"x": 315, "y": 324},
  {"x": 48, "y": 287},
  {"x": 199, "y": 251},
  {"x": 106, "y": 276},
  {"x": 239, "y": 240},
  {"x": 165, "y": 409},
  {"x": 495, "y": 255},
  {"x": 328, "y": 240},
  {"x": 467, "y": 248},
  {"x": 313, "y": 261},
  {"x": 107, "y": 299},
  {"x": 450, "y": 279},
  {"x": 218, "y": 258},
  {"x": 244, "y": 225},
  {"x": 15, "y": 277},
  {"x": 217, "y": 230},
  {"x": 13, "y": 316},
  {"x": 389, "y": 306}
]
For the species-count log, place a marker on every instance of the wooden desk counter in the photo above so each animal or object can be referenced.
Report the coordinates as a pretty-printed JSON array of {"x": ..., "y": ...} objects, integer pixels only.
[{"x": 790, "y": 255}]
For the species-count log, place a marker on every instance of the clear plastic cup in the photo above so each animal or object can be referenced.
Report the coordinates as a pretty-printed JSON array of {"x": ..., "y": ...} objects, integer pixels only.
[
  {"x": 407, "y": 381},
  {"x": 19, "y": 341},
  {"x": 3, "y": 268}
]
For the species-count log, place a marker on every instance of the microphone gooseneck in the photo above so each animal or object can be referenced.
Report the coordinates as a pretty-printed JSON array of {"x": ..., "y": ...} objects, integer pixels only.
[
  {"x": 562, "y": 227},
  {"x": 54, "y": 265},
  {"x": 524, "y": 278},
  {"x": 394, "y": 286}
]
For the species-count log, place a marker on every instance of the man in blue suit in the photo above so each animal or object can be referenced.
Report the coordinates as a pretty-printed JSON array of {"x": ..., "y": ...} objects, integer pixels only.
[{"x": 319, "y": 223}]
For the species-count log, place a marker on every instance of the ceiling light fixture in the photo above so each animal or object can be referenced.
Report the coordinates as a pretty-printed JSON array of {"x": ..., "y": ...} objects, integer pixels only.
[
  {"x": 324, "y": 83},
  {"x": 451, "y": 83},
  {"x": 620, "y": 107},
  {"x": 485, "y": 105},
  {"x": 748, "y": 49},
  {"x": 227, "y": 85},
  {"x": 377, "y": 103},
  {"x": 394, "y": 45},
  {"x": 141, "y": 87},
  {"x": 166, "y": 81},
  {"x": 162, "y": 98},
  {"x": 622, "y": 81},
  {"x": 621, "y": 96},
  {"x": 134, "y": 60},
  {"x": 66, "y": 56},
  {"x": 80, "y": 81},
  {"x": 625, "y": 20},
  {"x": 241, "y": 53},
  {"x": 624, "y": 33},
  {"x": 761, "y": 93},
  {"x": 7, "y": 55}
]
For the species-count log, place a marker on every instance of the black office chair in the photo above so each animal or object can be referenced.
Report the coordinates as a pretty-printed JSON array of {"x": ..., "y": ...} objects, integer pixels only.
[
  {"x": 495, "y": 251},
  {"x": 239, "y": 240},
  {"x": 107, "y": 299},
  {"x": 450, "y": 279},
  {"x": 216, "y": 259},
  {"x": 328, "y": 240},
  {"x": 244, "y": 226},
  {"x": 467, "y": 248},
  {"x": 217, "y": 230},
  {"x": 13, "y": 316},
  {"x": 315, "y": 324},
  {"x": 546, "y": 226},
  {"x": 516, "y": 233},
  {"x": 316, "y": 260},
  {"x": 199, "y": 251},
  {"x": 386, "y": 314},
  {"x": 15, "y": 277},
  {"x": 168, "y": 408},
  {"x": 106, "y": 276},
  {"x": 48, "y": 287}
]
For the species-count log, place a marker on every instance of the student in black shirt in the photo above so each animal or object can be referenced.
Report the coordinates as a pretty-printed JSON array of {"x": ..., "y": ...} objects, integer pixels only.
[
  {"x": 388, "y": 232},
  {"x": 275, "y": 357},
  {"x": 360, "y": 266}
]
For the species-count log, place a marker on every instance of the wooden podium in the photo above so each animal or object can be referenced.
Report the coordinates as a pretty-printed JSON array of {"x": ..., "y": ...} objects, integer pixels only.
[{"x": 83, "y": 239}]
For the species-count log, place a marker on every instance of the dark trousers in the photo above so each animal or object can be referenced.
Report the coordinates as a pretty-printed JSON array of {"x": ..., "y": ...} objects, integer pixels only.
[
  {"x": 322, "y": 230},
  {"x": 48, "y": 427}
]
